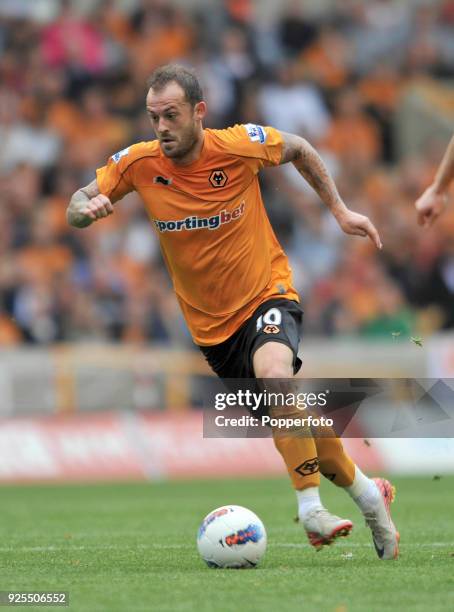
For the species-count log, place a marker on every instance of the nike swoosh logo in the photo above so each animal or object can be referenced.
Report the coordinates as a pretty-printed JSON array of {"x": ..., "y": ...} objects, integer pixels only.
[{"x": 380, "y": 551}]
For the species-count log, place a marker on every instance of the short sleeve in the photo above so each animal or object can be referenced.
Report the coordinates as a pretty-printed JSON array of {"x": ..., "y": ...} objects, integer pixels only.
[
  {"x": 113, "y": 179},
  {"x": 259, "y": 146},
  {"x": 265, "y": 143}
]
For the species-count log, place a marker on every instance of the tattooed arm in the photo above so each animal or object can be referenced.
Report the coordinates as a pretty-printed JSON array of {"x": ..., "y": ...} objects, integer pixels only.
[
  {"x": 311, "y": 166},
  {"x": 88, "y": 205}
]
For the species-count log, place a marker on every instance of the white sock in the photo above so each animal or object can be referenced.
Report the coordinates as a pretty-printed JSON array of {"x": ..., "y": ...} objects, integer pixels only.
[
  {"x": 364, "y": 491},
  {"x": 308, "y": 500}
]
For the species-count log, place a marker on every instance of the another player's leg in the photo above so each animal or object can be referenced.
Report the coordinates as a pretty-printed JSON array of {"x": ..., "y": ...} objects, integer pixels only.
[
  {"x": 274, "y": 360},
  {"x": 373, "y": 496}
]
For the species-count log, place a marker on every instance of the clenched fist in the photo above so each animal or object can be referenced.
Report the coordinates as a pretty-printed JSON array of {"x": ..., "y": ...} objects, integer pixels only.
[{"x": 98, "y": 207}]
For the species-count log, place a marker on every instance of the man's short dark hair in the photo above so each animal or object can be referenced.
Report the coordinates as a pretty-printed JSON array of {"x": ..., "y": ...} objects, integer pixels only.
[{"x": 185, "y": 78}]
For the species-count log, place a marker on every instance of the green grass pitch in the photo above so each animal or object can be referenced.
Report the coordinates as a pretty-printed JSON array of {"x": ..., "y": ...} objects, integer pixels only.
[{"x": 128, "y": 547}]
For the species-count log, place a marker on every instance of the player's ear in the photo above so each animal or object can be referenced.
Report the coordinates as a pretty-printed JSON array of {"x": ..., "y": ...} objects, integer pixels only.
[{"x": 200, "y": 110}]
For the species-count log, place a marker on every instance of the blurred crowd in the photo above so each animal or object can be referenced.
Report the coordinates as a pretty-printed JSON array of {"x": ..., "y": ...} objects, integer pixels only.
[{"x": 72, "y": 88}]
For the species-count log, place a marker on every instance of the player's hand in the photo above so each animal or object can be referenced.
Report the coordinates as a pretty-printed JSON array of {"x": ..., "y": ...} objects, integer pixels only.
[
  {"x": 430, "y": 206},
  {"x": 98, "y": 208},
  {"x": 358, "y": 225}
]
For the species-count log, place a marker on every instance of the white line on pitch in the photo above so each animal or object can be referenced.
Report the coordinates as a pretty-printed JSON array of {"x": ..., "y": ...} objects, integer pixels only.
[{"x": 70, "y": 548}]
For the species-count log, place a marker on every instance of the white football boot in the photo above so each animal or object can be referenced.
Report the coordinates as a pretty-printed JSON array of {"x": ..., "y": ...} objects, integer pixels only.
[
  {"x": 323, "y": 528},
  {"x": 384, "y": 534}
]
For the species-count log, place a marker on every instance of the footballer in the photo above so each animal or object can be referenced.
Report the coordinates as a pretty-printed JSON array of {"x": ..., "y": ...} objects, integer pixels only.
[{"x": 231, "y": 277}]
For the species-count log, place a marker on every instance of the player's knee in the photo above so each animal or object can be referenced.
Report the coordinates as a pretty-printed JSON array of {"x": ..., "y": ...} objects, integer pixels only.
[
  {"x": 273, "y": 369},
  {"x": 273, "y": 360}
]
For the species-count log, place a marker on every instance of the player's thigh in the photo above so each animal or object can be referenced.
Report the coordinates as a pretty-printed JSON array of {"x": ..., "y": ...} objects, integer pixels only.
[
  {"x": 275, "y": 330},
  {"x": 276, "y": 322},
  {"x": 273, "y": 360}
]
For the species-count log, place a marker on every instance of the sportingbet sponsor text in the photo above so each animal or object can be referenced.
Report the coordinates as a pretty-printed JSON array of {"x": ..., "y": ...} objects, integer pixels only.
[{"x": 193, "y": 222}]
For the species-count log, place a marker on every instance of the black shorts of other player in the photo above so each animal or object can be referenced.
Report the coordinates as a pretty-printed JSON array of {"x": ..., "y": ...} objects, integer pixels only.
[{"x": 276, "y": 320}]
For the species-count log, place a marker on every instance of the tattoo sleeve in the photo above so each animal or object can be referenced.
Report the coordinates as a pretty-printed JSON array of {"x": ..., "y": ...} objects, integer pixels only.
[
  {"x": 78, "y": 202},
  {"x": 311, "y": 167}
]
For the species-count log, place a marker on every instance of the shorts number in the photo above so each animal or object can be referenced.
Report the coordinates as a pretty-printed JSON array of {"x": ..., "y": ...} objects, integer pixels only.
[{"x": 271, "y": 317}]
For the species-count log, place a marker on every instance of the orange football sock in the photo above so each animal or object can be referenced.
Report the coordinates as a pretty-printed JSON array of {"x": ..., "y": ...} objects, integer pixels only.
[
  {"x": 300, "y": 456},
  {"x": 335, "y": 464}
]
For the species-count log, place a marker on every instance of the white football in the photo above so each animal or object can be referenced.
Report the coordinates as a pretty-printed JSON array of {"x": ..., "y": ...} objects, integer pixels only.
[{"x": 231, "y": 537}]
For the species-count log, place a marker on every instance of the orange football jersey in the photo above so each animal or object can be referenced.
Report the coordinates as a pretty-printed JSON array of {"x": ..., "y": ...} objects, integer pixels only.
[{"x": 215, "y": 236}]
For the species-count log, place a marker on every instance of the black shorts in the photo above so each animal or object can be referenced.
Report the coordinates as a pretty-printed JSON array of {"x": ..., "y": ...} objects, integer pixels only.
[{"x": 276, "y": 320}]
